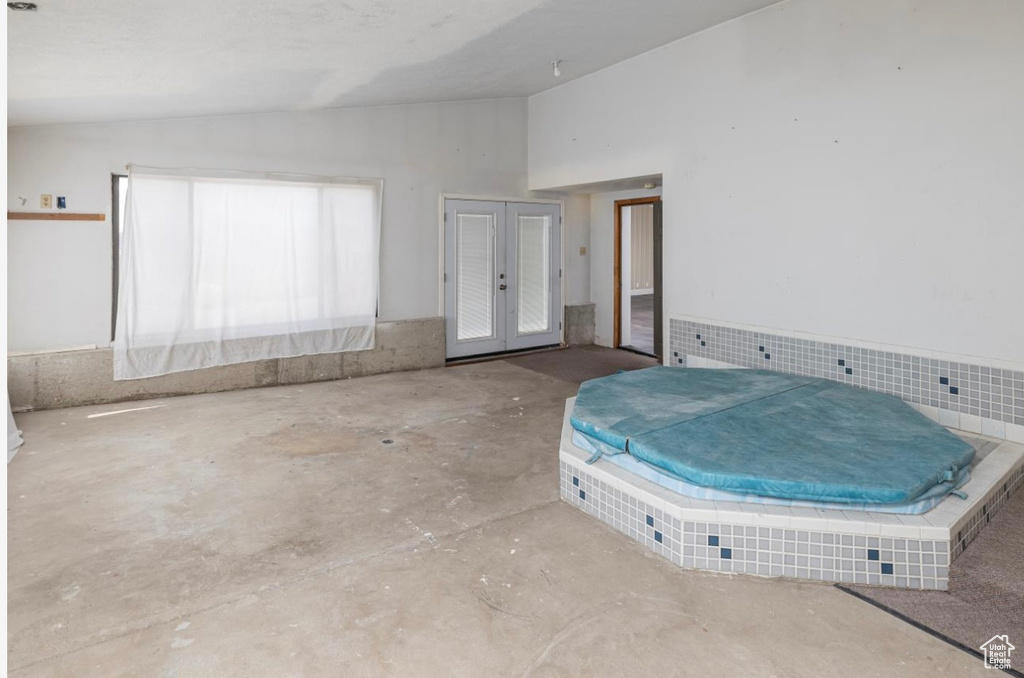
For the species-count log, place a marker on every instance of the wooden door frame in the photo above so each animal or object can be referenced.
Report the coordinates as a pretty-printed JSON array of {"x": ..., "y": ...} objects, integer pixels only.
[{"x": 617, "y": 271}]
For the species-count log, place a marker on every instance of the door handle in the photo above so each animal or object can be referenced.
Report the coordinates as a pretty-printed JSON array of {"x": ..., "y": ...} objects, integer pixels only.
[{"x": 501, "y": 287}]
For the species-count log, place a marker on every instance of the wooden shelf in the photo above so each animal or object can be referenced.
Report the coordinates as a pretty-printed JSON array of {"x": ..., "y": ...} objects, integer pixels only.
[{"x": 54, "y": 216}]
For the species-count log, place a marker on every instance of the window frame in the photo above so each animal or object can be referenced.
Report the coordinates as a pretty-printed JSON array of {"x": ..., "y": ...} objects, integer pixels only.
[{"x": 115, "y": 241}]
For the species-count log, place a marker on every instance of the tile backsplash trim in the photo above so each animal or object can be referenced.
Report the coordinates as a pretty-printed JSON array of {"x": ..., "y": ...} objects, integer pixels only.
[{"x": 972, "y": 389}]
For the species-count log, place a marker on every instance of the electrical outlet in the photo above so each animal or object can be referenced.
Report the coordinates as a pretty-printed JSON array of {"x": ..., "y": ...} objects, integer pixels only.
[
  {"x": 46, "y": 201},
  {"x": 583, "y": 251}
]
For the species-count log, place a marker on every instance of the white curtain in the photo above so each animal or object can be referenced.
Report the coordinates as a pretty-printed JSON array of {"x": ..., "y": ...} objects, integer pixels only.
[
  {"x": 224, "y": 269},
  {"x": 14, "y": 440}
]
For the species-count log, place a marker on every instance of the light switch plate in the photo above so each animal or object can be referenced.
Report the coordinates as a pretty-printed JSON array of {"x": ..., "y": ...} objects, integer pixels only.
[{"x": 583, "y": 251}]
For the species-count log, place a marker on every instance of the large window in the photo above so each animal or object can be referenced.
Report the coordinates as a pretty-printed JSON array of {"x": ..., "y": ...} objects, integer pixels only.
[{"x": 217, "y": 270}]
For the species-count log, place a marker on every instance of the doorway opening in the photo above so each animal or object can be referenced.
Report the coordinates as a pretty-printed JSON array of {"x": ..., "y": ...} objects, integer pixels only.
[{"x": 637, "y": 278}]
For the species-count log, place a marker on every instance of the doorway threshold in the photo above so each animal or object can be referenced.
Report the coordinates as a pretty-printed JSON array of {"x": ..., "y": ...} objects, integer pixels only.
[
  {"x": 503, "y": 355},
  {"x": 639, "y": 351}
]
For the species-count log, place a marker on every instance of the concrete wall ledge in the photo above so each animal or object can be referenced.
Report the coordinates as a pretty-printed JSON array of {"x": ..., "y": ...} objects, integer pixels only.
[
  {"x": 43, "y": 381},
  {"x": 579, "y": 324}
]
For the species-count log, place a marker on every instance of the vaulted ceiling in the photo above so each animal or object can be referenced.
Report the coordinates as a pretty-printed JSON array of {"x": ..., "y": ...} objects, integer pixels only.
[{"x": 105, "y": 60}]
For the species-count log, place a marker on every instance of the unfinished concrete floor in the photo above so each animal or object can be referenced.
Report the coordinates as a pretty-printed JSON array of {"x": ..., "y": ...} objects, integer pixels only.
[{"x": 404, "y": 524}]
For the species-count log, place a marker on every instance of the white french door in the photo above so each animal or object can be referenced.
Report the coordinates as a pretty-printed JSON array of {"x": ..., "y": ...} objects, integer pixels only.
[{"x": 502, "y": 276}]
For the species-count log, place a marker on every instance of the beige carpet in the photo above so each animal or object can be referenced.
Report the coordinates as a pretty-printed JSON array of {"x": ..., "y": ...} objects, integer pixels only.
[{"x": 986, "y": 589}]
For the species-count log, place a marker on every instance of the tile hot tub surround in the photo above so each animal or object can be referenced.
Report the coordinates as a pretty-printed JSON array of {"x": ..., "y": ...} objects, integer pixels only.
[{"x": 910, "y": 551}]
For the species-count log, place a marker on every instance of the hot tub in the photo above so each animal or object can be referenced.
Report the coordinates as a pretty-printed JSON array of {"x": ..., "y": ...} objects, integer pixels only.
[{"x": 752, "y": 435}]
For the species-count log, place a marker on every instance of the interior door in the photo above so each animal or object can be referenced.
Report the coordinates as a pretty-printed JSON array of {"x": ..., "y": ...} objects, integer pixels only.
[
  {"x": 474, "y": 271},
  {"x": 503, "y": 287}
]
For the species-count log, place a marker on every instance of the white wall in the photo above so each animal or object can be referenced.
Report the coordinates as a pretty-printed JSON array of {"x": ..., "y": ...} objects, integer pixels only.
[
  {"x": 59, "y": 273},
  {"x": 577, "y": 235},
  {"x": 602, "y": 259},
  {"x": 843, "y": 167}
]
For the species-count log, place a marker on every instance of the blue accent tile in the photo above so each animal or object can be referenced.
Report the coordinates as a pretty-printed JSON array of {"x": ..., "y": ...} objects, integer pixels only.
[
  {"x": 650, "y": 520},
  {"x": 583, "y": 495},
  {"x": 657, "y": 536},
  {"x": 727, "y": 554},
  {"x": 886, "y": 568},
  {"x": 767, "y": 356},
  {"x": 680, "y": 361},
  {"x": 712, "y": 540},
  {"x": 575, "y": 481},
  {"x": 943, "y": 380},
  {"x": 954, "y": 390},
  {"x": 761, "y": 349},
  {"x": 698, "y": 336},
  {"x": 703, "y": 343},
  {"x": 842, "y": 363},
  {"x": 675, "y": 354},
  {"x": 872, "y": 554},
  {"x": 849, "y": 370}
]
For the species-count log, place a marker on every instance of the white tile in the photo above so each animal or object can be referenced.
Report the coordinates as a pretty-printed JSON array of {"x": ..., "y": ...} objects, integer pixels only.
[
  {"x": 871, "y": 527},
  {"x": 703, "y": 505},
  {"x": 774, "y": 520},
  {"x": 970, "y": 423},
  {"x": 949, "y": 418},
  {"x": 700, "y": 516},
  {"x": 808, "y": 523},
  {"x": 1015, "y": 433},
  {"x": 911, "y": 520},
  {"x": 831, "y": 514},
  {"x": 681, "y": 503},
  {"x": 805, "y": 518},
  {"x": 899, "y": 531},
  {"x": 935, "y": 533},
  {"x": 846, "y": 526},
  {"x": 939, "y": 520},
  {"x": 737, "y": 518},
  {"x": 885, "y": 518},
  {"x": 947, "y": 512},
  {"x": 993, "y": 428},
  {"x": 930, "y": 412}
]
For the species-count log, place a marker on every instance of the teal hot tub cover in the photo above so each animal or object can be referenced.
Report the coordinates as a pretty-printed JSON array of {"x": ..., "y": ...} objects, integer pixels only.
[{"x": 771, "y": 434}]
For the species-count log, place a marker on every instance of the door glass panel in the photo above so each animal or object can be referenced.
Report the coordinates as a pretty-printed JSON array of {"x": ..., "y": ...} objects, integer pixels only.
[
  {"x": 533, "y": 268},
  {"x": 474, "y": 276}
]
